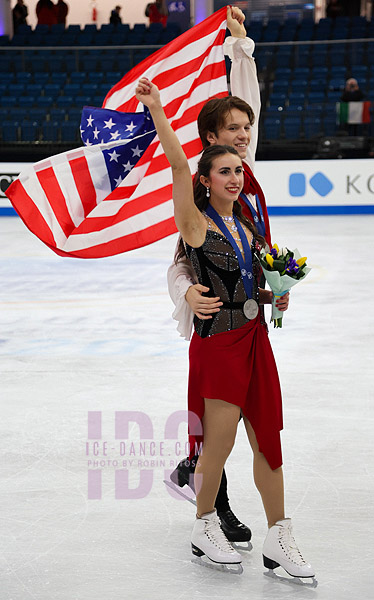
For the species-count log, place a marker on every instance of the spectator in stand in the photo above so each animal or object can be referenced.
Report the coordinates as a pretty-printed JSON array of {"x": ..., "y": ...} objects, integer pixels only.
[
  {"x": 20, "y": 13},
  {"x": 46, "y": 13},
  {"x": 334, "y": 9},
  {"x": 62, "y": 10},
  {"x": 352, "y": 92},
  {"x": 115, "y": 17},
  {"x": 157, "y": 12}
]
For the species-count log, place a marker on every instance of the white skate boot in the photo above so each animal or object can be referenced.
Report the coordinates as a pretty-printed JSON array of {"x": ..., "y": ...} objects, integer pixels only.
[
  {"x": 208, "y": 539},
  {"x": 280, "y": 549}
]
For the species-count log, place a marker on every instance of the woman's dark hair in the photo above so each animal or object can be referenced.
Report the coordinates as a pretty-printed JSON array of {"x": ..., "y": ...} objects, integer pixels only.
[{"x": 199, "y": 191}]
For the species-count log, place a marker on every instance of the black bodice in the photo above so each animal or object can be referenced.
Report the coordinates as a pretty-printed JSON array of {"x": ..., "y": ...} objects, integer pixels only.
[{"x": 217, "y": 267}]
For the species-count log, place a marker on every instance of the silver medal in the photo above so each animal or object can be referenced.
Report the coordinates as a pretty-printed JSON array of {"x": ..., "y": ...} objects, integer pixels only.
[{"x": 250, "y": 309}]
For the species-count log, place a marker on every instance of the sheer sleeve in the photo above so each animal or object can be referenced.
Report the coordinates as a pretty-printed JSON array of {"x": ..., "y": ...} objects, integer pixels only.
[{"x": 180, "y": 277}]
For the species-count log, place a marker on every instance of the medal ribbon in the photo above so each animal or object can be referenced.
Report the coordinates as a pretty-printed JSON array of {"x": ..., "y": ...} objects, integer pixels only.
[
  {"x": 245, "y": 263},
  {"x": 259, "y": 222}
]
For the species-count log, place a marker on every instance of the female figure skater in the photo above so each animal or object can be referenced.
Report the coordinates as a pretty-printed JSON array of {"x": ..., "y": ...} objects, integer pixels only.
[
  {"x": 232, "y": 120},
  {"x": 232, "y": 368}
]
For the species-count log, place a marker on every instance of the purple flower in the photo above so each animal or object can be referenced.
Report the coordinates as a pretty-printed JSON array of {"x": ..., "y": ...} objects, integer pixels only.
[
  {"x": 274, "y": 253},
  {"x": 291, "y": 266}
]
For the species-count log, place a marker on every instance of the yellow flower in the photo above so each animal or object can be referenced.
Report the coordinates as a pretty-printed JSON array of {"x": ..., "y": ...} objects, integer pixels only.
[
  {"x": 269, "y": 259},
  {"x": 301, "y": 261},
  {"x": 275, "y": 246}
]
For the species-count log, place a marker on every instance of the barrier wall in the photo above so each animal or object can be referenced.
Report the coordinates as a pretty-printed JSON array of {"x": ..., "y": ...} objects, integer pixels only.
[
  {"x": 291, "y": 187},
  {"x": 318, "y": 186}
]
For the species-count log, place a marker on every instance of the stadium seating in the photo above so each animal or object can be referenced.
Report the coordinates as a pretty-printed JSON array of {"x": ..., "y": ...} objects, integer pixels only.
[
  {"x": 9, "y": 130},
  {"x": 50, "y": 131},
  {"x": 272, "y": 128},
  {"x": 43, "y": 91},
  {"x": 329, "y": 126},
  {"x": 312, "y": 127},
  {"x": 314, "y": 77},
  {"x": 29, "y": 131},
  {"x": 299, "y": 85},
  {"x": 292, "y": 127},
  {"x": 69, "y": 131}
]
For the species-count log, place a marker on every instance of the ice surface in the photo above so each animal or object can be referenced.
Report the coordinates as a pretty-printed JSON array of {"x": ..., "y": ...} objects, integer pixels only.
[{"x": 79, "y": 336}]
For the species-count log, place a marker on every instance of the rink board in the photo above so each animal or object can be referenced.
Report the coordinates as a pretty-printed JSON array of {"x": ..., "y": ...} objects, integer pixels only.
[{"x": 304, "y": 187}]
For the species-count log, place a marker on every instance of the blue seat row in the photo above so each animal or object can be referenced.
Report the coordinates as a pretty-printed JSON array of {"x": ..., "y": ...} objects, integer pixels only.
[
  {"x": 100, "y": 63},
  {"x": 39, "y": 115},
  {"x": 298, "y": 98},
  {"x": 316, "y": 56},
  {"x": 32, "y": 131},
  {"x": 298, "y": 127},
  {"x": 52, "y": 89},
  {"x": 307, "y": 73},
  {"x": 73, "y": 35},
  {"x": 39, "y": 77},
  {"x": 50, "y": 102},
  {"x": 115, "y": 39},
  {"x": 293, "y": 30},
  {"x": 92, "y": 28}
]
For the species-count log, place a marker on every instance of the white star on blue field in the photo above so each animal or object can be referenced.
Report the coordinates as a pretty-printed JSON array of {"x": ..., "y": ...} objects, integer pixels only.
[{"x": 102, "y": 126}]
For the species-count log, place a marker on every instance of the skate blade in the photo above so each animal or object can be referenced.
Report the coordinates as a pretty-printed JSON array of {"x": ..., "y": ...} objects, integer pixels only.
[
  {"x": 310, "y": 582},
  {"x": 204, "y": 561},
  {"x": 246, "y": 547},
  {"x": 178, "y": 491}
]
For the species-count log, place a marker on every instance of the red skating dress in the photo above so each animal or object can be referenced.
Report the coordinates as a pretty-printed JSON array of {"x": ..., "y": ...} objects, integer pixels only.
[{"x": 230, "y": 356}]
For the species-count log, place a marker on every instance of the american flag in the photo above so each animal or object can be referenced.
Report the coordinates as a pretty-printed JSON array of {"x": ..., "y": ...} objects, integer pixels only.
[
  {"x": 103, "y": 126},
  {"x": 68, "y": 200}
]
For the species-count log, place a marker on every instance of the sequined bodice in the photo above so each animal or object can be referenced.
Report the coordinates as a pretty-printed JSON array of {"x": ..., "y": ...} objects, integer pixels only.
[{"x": 217, "y": 267}]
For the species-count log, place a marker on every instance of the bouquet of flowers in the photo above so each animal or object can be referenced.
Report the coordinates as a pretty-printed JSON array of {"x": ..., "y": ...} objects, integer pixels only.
[{"x": 283, "y": 268}]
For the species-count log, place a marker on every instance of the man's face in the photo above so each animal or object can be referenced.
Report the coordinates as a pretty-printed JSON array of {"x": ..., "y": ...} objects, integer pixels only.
[{"x": 236, "y": 132}]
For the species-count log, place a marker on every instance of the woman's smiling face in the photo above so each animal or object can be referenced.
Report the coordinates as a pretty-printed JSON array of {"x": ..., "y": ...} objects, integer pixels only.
[{"x": 225, "y": 178}]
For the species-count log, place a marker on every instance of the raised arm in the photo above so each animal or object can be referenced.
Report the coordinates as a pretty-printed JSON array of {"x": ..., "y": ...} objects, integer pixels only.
[
  {"x": 189, "y": 220},
  {"x": 243, "y": 77}
]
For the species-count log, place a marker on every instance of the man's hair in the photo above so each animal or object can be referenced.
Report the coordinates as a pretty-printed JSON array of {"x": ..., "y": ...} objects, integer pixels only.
[{"x": 213, "y": 115}]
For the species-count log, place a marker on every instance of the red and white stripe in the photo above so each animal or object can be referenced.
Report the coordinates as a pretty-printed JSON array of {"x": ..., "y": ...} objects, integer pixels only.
[{"x": 64, "y": 200}]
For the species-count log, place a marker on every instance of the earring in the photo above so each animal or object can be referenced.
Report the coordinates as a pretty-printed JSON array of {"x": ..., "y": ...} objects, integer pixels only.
[{"x": 207, "y": 192}]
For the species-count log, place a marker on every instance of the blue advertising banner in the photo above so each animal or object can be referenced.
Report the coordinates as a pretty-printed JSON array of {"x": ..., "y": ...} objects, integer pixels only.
[{"x": 291, "y": 187}]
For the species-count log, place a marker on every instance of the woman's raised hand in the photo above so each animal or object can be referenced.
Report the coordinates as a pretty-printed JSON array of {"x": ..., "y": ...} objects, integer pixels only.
[
  {"x": 188, "y": 218},
  {"x": 147, "y": 93}
]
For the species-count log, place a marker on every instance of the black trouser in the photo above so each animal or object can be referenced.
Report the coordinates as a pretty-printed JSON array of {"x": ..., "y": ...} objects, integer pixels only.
[{"x": 222, "y": 500}]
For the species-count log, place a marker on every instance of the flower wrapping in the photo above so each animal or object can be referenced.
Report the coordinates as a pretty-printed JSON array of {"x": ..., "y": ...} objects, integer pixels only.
[{"x": 282, "y": 270}]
